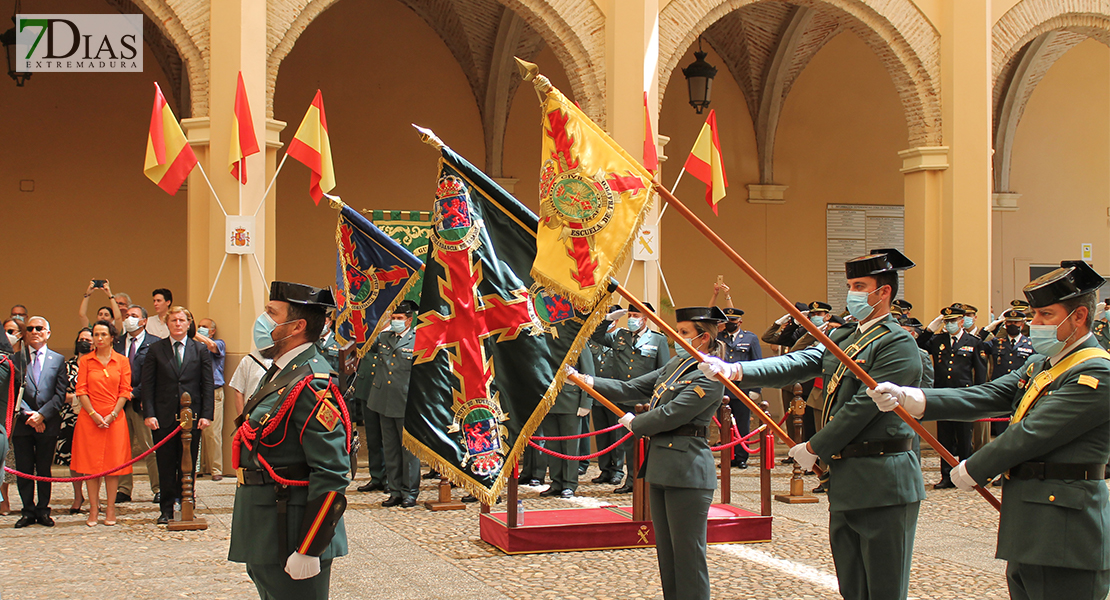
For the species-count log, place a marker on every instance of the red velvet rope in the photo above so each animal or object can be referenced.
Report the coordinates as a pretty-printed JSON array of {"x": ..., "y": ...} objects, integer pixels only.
[
  {"x": 587, "y": 457},
  {"x": 577, "y": 437},
  {"x": 105, "y": 473}
]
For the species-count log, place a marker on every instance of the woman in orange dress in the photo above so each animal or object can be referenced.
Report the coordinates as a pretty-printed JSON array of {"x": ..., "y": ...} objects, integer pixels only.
[{"x": 100, "y": 437}]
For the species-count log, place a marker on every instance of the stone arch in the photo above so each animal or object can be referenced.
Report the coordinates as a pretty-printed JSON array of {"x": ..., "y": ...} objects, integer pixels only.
[
  {"x": 1030, "y": 19},
  {"x": 185, "y": 25},
  {"x": 574, "y": 29},
  {"x": 904, "y": 40}
]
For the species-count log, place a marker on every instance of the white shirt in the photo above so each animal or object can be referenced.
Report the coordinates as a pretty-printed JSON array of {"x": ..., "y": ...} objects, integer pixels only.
[
  {"x": 134, "y": 339},
  {"x": 288, "y": 357},
  {"x": 865, "y": 325},
  {"x": 157, "y": 327},
  {"x": 249, "y": 373}
]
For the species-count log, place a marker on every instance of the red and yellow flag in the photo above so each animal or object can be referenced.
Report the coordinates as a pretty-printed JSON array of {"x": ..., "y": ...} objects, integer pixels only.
[
  {"x": 169, "y": 157},
  {"x": 243, "y": 142},
  {"x": 312, "y": 147},
  {"x": 593, "y": 196},
  {"x": 705, "y": 162}
]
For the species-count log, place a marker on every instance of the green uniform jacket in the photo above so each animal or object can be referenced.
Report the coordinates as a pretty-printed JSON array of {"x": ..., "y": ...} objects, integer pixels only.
[
  {"x": 305, "y": 439},
  {"x": 572, "y": 397},
  {"x": 680, "y": 395},
  {"x": 866, "y": 481},
  {"x": 1102, "y": 333},
  {"x": 632, "y": 356},
  {"x": 391, "y": 377},
  {"x": 1052, "y": 522}
]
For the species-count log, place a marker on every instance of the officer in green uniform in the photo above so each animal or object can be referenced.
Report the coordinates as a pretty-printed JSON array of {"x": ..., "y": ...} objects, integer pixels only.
[
  {"x": 635, "y": 351},
  {"x": 1102, "y": 328},
  {"x": 364, "y": 382},
  {"x": 565, "y": 418},
  {"x": 291, "y": 451},
  {"x": 388, "y": 399},
  {"x": 679, "y": 466},
  {"x": 875, "y": 488},
  {"x": 1054, "y": 529},
  {"x": 328, "y": 345}
]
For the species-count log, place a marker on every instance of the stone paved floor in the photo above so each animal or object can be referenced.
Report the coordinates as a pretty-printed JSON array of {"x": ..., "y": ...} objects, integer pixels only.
[{"x": 414, "y": 553}]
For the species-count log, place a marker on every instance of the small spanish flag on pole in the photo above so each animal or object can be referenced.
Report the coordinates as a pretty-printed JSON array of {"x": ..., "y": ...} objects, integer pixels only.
[
  {"x": 706, "y": 164},
  {"x": 243, "y": 142},
  {"x": 312, "y": 147},
  {"x": 169, "y": 157}
]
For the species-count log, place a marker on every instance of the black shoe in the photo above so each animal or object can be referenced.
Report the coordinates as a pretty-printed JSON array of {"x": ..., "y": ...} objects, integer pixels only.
[
  {"x": 122, "y": 497},
  {"x": 581, "y": 471},
  {"x": 549, "y": 492},
  {"x": 157, "y": 498},
  {"x": 25, "y": 521},
  {"x": 46, "y": 520},
  {"x": 997, "y": 482},
  {"x": 740, "y": 464},
  {"x": 624, "y": 489},
  {"x": 616, "y": 479},
  {"x": 531, "y": 482},
  {"x": 392, "y": 501},
  {"x": 431, "y": 475},
  {"x": 163, "y": 519},
  {"x": 371, "y": 486},
  {"x": 787, "y": 461},
  {"x": 408, "y": 503},
  {"x": 603, "y": 478},
  {"x": 821, "y": 489},
  {"x": 567, "y": 493},
  {"x": 469, "y": 498},
  {"x": 943, "y": 484}
]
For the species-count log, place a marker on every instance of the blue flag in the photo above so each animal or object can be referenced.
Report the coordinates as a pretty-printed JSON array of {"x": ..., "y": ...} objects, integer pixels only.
[{"x": 372, "y": 275}]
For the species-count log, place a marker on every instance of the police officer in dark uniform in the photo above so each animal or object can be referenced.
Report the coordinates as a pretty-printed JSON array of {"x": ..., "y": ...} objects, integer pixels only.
[
  {"x": 636, "y": 351},
  {"x": 292, "y": 454},
  {"x": 388, "y": 398},
  {"x": 1008, "y": 351},
  {"x": 903, "y": 306},
  {"x": 959, "y": 361},
  {"x": 739, "y": 345}
]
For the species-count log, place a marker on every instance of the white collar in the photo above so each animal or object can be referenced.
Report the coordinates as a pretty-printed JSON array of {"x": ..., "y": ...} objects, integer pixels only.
[
  {"x": 1067, "y": 349},
  {"x": 141, "y": 332},
  {"x": 865, "y": 325},
  {"x": 959, "y": 334},
  {"x": 292, "y": 353}
]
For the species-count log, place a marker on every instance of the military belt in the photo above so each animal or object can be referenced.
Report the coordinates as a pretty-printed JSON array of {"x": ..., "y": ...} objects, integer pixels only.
[
  {"x": 875, "y": 448},
  {"x": 690, "y": 431},
  {"x": 1048, "y": 470},
  {"x": 263, "y": 477}
]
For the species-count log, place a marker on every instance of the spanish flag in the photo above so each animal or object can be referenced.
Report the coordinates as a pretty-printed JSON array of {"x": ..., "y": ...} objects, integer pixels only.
[
  {"x": 706, "y": 164},
  {"x": 243, "y": 142},
  {"x": 312, "y": 147},
  {"x": 169, "y": 157},
  {"x": 593, "y": 197}
]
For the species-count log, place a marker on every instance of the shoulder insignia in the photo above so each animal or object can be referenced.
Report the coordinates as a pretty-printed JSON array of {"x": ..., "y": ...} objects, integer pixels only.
[
  {"x": 322, "y": 376},
  {"x": 701, "y": 393},
  {"x": 1088, "y": 381},
  {"x": 327, "y": 415}
]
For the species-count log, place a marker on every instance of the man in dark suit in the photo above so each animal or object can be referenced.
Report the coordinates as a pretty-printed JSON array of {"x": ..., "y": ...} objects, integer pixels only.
[
  {"x": 134, "y": 345},
  {"x": 174, "y": 366},
  {"x": 38, "y": 422}
]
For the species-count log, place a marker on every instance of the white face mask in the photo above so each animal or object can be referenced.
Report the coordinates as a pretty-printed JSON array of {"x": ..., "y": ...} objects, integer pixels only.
[
  {"x": 131, "y": 324},
  {"x": 397, "y": 325},
  {"x": 13, "y": 340}
]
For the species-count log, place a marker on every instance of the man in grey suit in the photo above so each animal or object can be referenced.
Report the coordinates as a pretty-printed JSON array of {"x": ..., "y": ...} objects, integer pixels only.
[
  {"x": 388, "y": 398},
  {"x": 38, "y": 422}
]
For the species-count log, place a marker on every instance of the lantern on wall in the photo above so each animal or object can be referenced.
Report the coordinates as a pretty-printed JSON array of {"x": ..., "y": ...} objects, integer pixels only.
[
  {"x": 699, "y": 80},
  {"x": 8, "y": 40}
]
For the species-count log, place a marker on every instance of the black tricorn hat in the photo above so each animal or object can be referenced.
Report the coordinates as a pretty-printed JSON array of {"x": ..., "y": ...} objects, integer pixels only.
[
  {"x": 299, "y": 293},
  {"x": 882, "y": 260},
  {"x": 1074, "y": 278},
  {"x": 953, "y": 311},
  {"x": 911, "y": 322},
  {"x": 732, "y": 312},
  {"x": 612, "y": 308},
  {"x": 407, "y": 307},
  {"x": 902, "y": 304},
  {"x": 819, "y": 306},
  {"x": 699, "y": 313},
  {"x": 647, "y": 305}
]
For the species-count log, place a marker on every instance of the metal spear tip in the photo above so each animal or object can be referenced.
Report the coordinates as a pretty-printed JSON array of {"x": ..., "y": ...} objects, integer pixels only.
[
  {"x": 528, "y": 71},
  {"x": 429, "y": 137}
]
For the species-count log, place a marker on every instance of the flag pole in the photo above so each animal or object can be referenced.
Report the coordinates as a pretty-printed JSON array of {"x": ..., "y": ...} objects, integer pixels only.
[
  {"x": 218, "y": 273},
  {"x": 239, "y": 185},
  {"x": 578, "y": 381},
  {"x": 213, "y": 190},
  {"x": 270, "y": 186},
  {"x": 813, "y": 330}
]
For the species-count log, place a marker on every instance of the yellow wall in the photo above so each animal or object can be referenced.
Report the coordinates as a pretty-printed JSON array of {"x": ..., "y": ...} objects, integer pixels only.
[
  {"x": 81, "y": 137},
  {"x": 838, "y": 138},
  {"x": 1061, "y": 168}
]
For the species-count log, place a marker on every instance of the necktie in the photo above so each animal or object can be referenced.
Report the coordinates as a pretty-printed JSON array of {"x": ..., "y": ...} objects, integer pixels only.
[
  {"x": 131, "y": 350},
  {"x": 36, "y": 367},
  {"x": 178, "y": 350}
]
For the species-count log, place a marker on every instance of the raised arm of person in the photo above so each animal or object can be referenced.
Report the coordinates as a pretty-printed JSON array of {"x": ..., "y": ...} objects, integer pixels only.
[
  {"x": 112, "y": 306},
  {"x": 83, "y": 311}
]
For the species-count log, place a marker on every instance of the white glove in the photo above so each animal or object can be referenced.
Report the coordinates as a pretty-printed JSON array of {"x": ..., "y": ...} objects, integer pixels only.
[
  {"x": 626, "y": 420},
  {"x": 994, "y": 324},
  {"x": 961, "y": 479},
  {"x": 713, "y": 365},
  {"x": 583, "y": 412},
  {"x": 1100, "y": 308},
  {"x": 888, "y": 396},
  {"x": 588, "y": 379},
  {"x": 616, "y": 315},
  {"x": 803, "y": 456},
  {"x": 934, "y": 325},
  {"x": 300, "y": 566},
  {"x": 783, "y": 320}
]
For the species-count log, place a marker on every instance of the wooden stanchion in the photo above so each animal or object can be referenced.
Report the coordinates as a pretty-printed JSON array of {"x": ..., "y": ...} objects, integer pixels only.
[
  {"x": 797, "y": 493},
  {"x": 445, "y": 502},
  {"x": 724, "y": 417},
  {"x": 188, "y": 520}
]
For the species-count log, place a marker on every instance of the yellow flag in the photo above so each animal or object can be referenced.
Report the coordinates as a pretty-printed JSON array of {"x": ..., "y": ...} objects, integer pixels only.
[{"x": 593, "y": 196}]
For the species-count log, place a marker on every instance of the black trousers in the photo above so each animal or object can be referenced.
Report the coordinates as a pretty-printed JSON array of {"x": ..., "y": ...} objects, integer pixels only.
[
  {"x": 743, "y": 416},
  {"x": 169, "y": 465},
  {"x": 375, "y": 454},
  {"x": 956, "y": 437},
  {"x": 33, "y": 455}
]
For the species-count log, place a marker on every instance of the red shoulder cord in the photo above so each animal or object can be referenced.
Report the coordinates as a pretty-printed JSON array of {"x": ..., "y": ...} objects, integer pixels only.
[{"x": 11, "y": 395}]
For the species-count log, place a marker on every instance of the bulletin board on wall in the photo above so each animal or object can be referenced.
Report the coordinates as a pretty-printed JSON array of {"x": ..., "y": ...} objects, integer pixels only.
[{"x": 853, "y": 230}]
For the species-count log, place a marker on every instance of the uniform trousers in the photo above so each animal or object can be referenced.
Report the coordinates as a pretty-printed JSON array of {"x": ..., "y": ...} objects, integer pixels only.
[
  {"x": 956, "y": 437},
  {"x": 743, "y": 416},
  {"x": 564, "y": 473},
  {"x": 679, "y": 517},
  {"x": 141, "y": 441},
  {"x": 610, "y": 463},
  {"x": 212, "y": 449},
  {"x": 273, "y": 583},
  {"x": 584, "y": 443},
  {"x": 169, "y": 465},
  {"x": 375, "y": 455},
  {"x": 401, "y": 467},
  {"x": 533, "y": 464},
  {"x": 872, "y": 549},
  {"x": 33, "y": 455},
  {"x": 1039, "y": 582}
]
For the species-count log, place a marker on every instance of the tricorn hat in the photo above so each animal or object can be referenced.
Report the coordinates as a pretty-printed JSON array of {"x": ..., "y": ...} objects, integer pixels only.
[
  {"x": 882, "y": 260},
  {"x": 299, "y": 293},
  {"x": 911, "y": 322},
  {"x": 647, "y": 305},
  {"x": 407, "y": 307},
  {"x": 1074, "y": 278},
  {"x": 700, "y": 313}
]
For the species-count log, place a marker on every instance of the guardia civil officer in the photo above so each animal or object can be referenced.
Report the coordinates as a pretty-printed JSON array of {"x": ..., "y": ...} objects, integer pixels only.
[
  {"x": 388, "y": 398},
  {"x": 364, "y": 382},
  {"x": 679, "y": 466},
  {"x": 1055, "y": 517},
  {"x": 635, "y": 351},
  {"x": 292, "y": 429},
  {"x": 875, "y": 488},
  {"x": 739, "y": 345},
  {"x": 1102, "y": 328}
]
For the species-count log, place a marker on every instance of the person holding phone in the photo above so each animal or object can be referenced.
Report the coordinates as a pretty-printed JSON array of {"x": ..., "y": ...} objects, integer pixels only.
[{"x": 109, "y": 312}]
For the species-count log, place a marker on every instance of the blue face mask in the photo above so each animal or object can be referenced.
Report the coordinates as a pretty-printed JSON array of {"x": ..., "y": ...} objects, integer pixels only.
[
  {"x": 817, "y": 320},
  {"x": 397, "y": 325},
  {"x": 858, "y": 306},
  {"x": 263, "y": 331},
  {"x": 1044, "y": 338},
  {"x": 634, "y": 324},
  {"x": 681, "y": 352},
  {"x": 952, "y": 327},
  {"x": 969, "y": 322}
]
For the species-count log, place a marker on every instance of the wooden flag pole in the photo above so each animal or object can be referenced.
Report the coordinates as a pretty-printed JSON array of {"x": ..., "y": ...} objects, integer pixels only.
[
  {"x": 812, "y": 329},
  {"x": 607, "y": 403}
]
